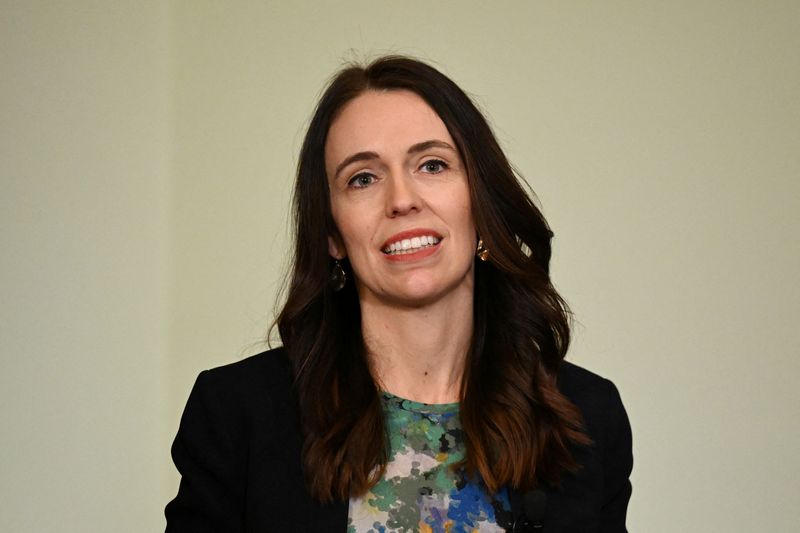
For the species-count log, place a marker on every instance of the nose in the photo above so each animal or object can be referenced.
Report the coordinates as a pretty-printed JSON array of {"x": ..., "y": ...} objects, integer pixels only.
[{"x": 402, "y": 197}]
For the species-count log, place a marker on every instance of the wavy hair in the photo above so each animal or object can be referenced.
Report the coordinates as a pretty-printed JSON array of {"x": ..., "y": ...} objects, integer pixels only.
[{"x": 518, "y": 427}]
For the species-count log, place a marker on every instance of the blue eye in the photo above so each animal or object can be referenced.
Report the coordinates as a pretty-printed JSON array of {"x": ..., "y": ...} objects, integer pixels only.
[
  {"x": 434, "y": 166},
  {"x": 359, "y": 181}
]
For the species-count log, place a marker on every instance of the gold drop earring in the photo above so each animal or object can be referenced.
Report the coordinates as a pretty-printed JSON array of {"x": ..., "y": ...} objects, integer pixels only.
[{"x": 482, "y": 252}]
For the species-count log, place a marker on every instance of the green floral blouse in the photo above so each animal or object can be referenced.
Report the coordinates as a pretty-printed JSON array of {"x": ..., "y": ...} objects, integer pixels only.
[{"x": 420, "y": 491}]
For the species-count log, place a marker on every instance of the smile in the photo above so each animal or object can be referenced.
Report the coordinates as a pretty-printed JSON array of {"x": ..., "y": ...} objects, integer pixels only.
[{"x": 412, "y": 245}]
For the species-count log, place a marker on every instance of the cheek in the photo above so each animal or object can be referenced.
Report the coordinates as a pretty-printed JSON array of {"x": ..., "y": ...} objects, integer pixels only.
[
  {"x": 463, "y": 228},
  {"x": 465, "y": 214},
  {"x": 354, "y": 228}
]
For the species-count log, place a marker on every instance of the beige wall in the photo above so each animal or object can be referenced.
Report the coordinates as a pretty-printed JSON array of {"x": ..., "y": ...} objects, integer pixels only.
[
  {"x": 84, "y": 202},
  {"x": 147, "y": 159}
]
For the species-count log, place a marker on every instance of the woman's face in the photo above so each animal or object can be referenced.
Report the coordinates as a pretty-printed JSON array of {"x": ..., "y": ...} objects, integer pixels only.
[{"x": 400, "y": 200}]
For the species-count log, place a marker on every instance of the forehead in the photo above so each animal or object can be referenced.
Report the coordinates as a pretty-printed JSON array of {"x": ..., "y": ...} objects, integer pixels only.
[{"x": 383, "y": 121}]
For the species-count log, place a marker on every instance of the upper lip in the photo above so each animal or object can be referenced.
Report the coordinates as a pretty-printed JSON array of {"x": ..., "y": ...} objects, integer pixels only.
[{"x": 410, "y": 234}]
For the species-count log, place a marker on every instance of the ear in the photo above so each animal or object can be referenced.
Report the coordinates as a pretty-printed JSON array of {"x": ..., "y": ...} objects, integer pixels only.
[{"x": 336, "y": 247}]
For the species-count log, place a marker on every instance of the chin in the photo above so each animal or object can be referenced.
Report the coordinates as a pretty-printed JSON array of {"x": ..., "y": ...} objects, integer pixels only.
[{"x": 415, "y": 301}]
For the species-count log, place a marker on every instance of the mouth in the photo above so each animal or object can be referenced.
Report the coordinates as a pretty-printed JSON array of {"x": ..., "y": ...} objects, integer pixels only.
[{"x": 410, "y": 242}]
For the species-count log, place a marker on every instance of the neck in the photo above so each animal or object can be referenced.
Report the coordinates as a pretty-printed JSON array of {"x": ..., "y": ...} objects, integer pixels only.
[{"x": 419, "y": 353}]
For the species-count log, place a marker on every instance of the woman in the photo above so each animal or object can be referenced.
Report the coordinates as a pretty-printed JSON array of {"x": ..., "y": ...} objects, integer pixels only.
[{"x": 421, "y": 385}]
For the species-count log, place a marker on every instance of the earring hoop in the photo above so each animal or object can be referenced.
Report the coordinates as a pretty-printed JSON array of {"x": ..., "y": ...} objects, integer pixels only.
[{"x": 338, "y": 277}]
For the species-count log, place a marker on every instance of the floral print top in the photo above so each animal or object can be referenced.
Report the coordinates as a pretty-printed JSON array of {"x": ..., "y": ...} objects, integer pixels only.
[{"x": 420, "y": 492}]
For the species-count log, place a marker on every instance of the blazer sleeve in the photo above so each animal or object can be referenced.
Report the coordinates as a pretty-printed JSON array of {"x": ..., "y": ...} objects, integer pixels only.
[
  {"x": 617, "y": 466},
  {"x": 211, "y": 464}
]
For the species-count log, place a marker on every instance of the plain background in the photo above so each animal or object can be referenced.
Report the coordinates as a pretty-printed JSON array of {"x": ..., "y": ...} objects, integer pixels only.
[{"x": 147, "y": 152}]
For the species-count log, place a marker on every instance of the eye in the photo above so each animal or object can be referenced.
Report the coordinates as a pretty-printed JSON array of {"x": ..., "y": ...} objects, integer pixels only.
[
  {"x": 362, "y": 180},
  {"x": 434, "y": 166}
]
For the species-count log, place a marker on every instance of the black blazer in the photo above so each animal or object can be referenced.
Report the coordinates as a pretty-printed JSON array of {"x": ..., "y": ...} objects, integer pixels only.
[{"x": 239, "y": 444}]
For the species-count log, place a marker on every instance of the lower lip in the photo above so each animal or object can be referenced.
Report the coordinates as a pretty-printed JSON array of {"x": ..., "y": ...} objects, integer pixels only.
[{"x": 421, "y": 254}]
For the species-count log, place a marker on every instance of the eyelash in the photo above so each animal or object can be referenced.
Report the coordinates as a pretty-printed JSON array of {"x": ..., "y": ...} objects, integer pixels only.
[
  {"x": 354, "y": 179},
  {"x": 438, "y": 162}
]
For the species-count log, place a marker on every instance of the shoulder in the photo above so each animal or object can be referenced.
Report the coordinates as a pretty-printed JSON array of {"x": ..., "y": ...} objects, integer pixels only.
[
  {"x": 606, "y": 463},
  {"x": 573, "y": 378},
  {"x": 237, "y": 447},
  {"x": 596, "y": 396},
  {"x": 604, "y": 415},
  {"x": 270, "y": 368},
  {"x": 247, "y": 392},
  {"x": 268, "y": 372}
]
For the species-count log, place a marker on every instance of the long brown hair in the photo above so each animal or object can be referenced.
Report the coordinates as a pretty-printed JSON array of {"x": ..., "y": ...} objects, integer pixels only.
[{"x": 518, "y": 427}]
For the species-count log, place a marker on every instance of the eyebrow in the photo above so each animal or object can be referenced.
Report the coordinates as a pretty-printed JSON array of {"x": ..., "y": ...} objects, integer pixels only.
[
  {"x": 424, "y": 145},
  {"x": 360, "y": 156},
  {"x": 366, "y": 156}
]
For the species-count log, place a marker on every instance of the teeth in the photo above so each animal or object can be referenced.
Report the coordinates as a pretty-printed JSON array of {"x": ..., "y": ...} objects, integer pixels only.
[{"x": 409, "y": 246}]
